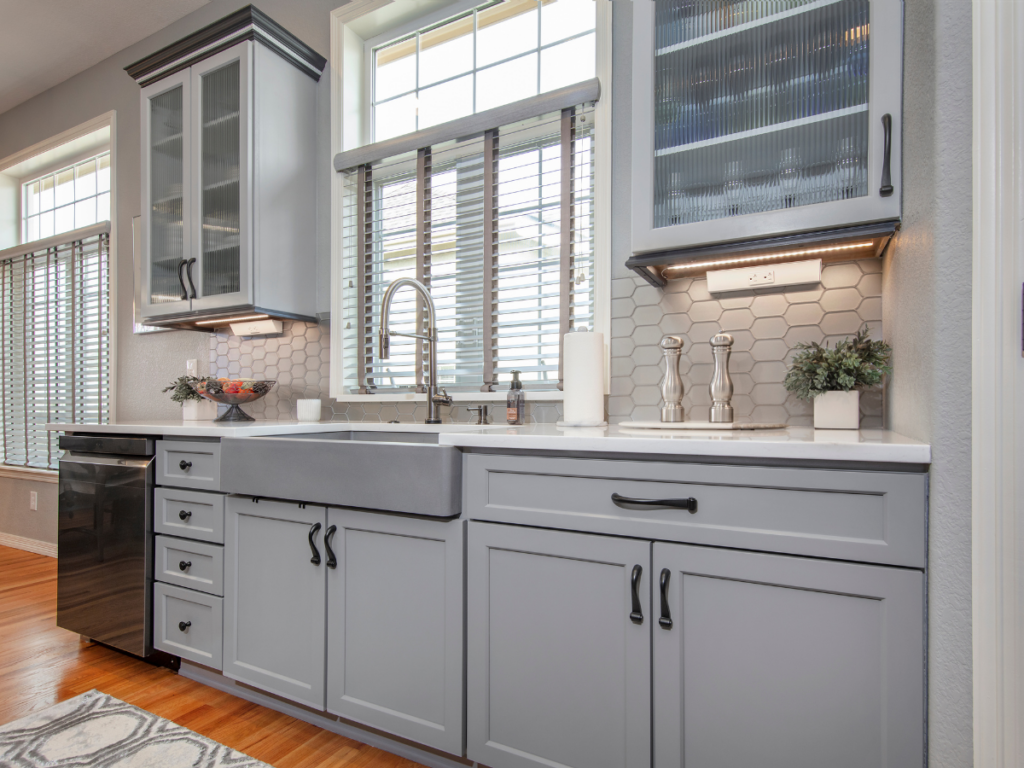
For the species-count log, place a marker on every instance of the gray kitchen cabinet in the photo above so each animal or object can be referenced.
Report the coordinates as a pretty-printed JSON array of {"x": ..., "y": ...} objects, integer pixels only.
[
  {"x": 395, "y": 625},
  {"x": 274, "y": 597},
  {"x": 782, "y": 662},
  {"x": 761, "y": 119},
  {"x": 558, "y": 649}
]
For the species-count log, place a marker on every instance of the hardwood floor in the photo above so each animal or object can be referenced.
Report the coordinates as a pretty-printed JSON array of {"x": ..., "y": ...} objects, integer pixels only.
[{"x": 41, "y": 665}]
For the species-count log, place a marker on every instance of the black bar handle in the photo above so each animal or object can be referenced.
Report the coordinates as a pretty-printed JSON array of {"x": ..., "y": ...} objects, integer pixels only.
[
  {"x": 184, "y": 565},
  {"x": 689, "y": 504},
  {"x": 666, "y": 616},
  {"x": 184, "y": 514},
  {"x": 886, "y": 188},
  {"x": 332, "y": 561},
  {"x": 184, "y": 466},
  {"x": 184, "y": 625},
  {"x": 181, "y": 279},
  {"x": 188, "y": 274},
  {"x": 315, "y": 559},
  {"x": 637, "y": 616}
]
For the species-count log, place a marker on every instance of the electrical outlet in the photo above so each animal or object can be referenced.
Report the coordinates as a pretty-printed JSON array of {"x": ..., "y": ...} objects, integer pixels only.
[
  {"x": 761, "y": 277},
  {"x": 33, "y": 500}
]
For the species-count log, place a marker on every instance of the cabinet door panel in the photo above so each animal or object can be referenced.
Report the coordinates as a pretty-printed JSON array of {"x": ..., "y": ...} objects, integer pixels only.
[
  {"x": 274, "y": 599},
  {"x": 221, "y": 167},
  {"x": 784, "y": 662},
  {"x": 395, "y": 618},
  {"x": 166, "y": 195},
  {"x": 558, "y": 673}
]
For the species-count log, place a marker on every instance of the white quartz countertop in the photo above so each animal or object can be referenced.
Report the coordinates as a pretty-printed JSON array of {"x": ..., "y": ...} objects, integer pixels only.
[{"x": 792, "y": 443}]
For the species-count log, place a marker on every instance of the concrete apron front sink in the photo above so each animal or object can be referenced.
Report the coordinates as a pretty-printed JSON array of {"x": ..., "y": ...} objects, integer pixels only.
[{"x": 380, "y": 470}]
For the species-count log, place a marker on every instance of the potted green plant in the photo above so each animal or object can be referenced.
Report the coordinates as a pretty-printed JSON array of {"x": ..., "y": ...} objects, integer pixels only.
[
  {"x": 833, "y": 377},
  {"x": 194, "y": 407}
]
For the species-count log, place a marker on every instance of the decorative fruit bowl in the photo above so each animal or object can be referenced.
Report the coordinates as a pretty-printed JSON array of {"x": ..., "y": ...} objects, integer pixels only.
[{"x": 233, "y": 392}]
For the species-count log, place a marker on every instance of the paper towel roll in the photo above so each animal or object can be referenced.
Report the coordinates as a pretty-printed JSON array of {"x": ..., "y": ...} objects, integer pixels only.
[{"x": 583, "y": 382}]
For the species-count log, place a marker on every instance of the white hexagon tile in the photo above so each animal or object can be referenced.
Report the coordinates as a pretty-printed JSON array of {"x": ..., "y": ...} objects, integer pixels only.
[{"x": 766, "y": 324}]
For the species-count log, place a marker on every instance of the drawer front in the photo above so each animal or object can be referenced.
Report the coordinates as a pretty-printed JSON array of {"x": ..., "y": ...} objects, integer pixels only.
[
  {"x": 190, "y": 564},
  {"x": 875, "y": 517},
  {"x": 189, "y": 514},
  {"x": 188, "y": 624},
  {"x": 185, "y": 464}
]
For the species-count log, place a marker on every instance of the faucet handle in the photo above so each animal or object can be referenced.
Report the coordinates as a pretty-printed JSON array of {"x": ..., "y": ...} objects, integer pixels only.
[{"x": 442, "y": 398}]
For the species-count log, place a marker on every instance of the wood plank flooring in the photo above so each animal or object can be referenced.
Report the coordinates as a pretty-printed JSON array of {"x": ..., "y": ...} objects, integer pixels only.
[{"x": 41, "y": 665}]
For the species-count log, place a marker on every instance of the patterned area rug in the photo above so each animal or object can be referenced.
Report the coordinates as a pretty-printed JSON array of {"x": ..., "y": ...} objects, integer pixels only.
[{"x": 98, "y": 731}]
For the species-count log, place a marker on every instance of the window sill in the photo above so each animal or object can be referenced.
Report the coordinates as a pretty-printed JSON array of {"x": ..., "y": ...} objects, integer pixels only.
[
  {"x": 27, "y": 473},
  {"x": 550, "y": 396}
]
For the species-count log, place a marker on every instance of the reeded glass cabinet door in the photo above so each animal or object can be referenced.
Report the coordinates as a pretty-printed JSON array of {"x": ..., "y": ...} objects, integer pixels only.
[
  {"x": 166, "y": 198},
  {"x": 763, "y": 117},
  {"x": 221, "y": 96}
]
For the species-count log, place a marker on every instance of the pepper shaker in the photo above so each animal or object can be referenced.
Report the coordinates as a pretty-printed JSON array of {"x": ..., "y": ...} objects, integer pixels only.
[
  {"x": 672, "y": 384},
  {"x": 721, "y": 382}
]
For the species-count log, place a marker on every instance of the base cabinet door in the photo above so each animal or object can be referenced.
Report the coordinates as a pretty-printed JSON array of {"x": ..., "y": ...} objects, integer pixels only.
[
  {"x": 274, "y": 593},
  {"x": 558, "y": 657},
  {"x": 781, "y": 662},
  {"x": 395, "y": 625}
]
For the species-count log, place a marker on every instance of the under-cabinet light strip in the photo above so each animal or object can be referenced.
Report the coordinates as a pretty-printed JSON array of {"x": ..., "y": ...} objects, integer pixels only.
[
  {"x": 699, "y": 265},
  {"x": 229, "y": 320}
]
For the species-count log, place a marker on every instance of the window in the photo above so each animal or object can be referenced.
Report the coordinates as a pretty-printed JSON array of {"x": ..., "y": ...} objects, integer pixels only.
[
  {"x": 71, "y": 198},
  {"x": 54, "y": 341},
  {"x": 500, "y": 52}
]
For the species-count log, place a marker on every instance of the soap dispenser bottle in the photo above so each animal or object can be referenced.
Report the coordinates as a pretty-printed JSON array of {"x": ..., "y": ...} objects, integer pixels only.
[{"x": 516, "y": 401}]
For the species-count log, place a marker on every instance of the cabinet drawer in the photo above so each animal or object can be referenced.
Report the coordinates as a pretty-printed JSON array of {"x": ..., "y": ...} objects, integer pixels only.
[
  {"x": 190, "y": 514},
  {"x": 188, "y": 464},
  {"x": 876, "y": 517},
  {"x": 188, "y": 624},
  {"x": 190, "y": 564}
]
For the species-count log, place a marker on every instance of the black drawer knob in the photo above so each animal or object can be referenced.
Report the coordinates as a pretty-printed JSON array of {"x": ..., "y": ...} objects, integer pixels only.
[
  {"x": 184, "y": 565},
  {"x": 184, "y": 625},
  {"x": 184, "y": 466},
  {"x": 184, "y": 514}
]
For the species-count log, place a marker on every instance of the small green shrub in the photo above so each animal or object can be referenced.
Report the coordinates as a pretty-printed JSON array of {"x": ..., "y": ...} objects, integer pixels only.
[
  {"x": 181, "y": 390},
  {"x": 856, "y": 363}
]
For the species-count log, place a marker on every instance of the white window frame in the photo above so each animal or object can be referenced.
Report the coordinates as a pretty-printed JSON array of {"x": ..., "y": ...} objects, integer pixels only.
[
  {"x": 350, "y": 77},
  {"x": 54, "y": 145},
  {"x": 63, "y": 165}
]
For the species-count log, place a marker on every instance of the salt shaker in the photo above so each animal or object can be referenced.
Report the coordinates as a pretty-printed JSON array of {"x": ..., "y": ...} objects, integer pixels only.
[
  {"x": 672, "y": 384},
  {"x": 721, "y": 382}
]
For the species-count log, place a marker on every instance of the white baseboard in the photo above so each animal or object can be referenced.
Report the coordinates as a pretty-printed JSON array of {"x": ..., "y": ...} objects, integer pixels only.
[
  {"x": 331, "y": 723},
  {"x": 28, "y": 545}
]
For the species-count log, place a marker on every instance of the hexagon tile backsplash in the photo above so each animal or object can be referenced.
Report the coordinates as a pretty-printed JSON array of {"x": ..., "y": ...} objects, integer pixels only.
[{"x": 766, "y": 324}]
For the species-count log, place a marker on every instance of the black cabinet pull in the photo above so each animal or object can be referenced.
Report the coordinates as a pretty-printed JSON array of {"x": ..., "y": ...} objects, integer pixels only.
[
  {"x": 689, "y": 504},
  {"x": 666, "y": 616},
  {"x": 332, "y": 561},
  {"x": 184, "y": 514},
  {"x": 184, "y": 625},
  {"x": 886, "y": 189},
  {"x": 637, "y": 616},
  {"x": 188, "y": 274},
  {"x": 184, "y": 565},
  {"x": 315, "y": 559},
  {"x": 184, "y": 466},
  {"x": 181, "y": 279}
]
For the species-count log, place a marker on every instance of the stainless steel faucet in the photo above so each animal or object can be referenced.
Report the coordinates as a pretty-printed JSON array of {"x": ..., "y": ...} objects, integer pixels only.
[{"x": 434, "y": 400}]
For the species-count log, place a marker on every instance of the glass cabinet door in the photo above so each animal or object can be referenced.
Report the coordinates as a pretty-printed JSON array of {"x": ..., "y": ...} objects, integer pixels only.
[
  {"x": 762, "y": 117},
  {"x": 166, "y": 198},
  {"x": 221, "y": 86}
]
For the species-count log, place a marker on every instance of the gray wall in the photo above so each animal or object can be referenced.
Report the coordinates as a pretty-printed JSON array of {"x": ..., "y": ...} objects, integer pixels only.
[
  {"x": 927, "y": 317},
  {"x": 17, "y": 519}
]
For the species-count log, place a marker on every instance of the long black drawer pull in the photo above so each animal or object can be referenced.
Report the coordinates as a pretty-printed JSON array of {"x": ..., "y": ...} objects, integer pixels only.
[
  {"x": 184, "y": 466},
  {"x": 184, "y": 625},
  {"x": 332, "y": 561},
  {"x": 666, "y": 615},
  {"x": 184, "y": 514},
  {"x": 637, "y": 616},
  {"x": 886, "y": 189},
  {"x": 184, "y": 565},
  {"x": 689, "y": 504},
  {"x": 315, "y": 559}
]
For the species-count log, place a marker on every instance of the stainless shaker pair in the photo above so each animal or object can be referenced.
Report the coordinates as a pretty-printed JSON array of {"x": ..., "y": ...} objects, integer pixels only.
[{"x": 721, "y": 382}]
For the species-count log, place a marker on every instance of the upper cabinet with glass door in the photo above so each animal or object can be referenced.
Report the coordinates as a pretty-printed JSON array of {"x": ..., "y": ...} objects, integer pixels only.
[
  {"x": 228, "y": 175},
  {"x": 757, "y": 118}
]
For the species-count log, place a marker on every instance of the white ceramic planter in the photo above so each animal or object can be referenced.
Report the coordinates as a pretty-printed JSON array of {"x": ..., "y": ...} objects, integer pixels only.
[
  {"x": 837, "y": 410},
  {"x": 205, "y": 410}
]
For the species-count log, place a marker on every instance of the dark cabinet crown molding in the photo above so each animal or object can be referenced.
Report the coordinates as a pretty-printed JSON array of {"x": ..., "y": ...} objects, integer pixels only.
[{"x": 248, "y": 23}]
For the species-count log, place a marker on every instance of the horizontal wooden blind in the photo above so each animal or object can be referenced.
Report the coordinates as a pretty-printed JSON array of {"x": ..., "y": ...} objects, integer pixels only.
[{"x": 54, "y": 342}]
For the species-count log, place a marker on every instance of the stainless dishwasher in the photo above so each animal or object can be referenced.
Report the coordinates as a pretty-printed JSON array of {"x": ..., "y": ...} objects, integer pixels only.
[{"x": 104, "y": 540}]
